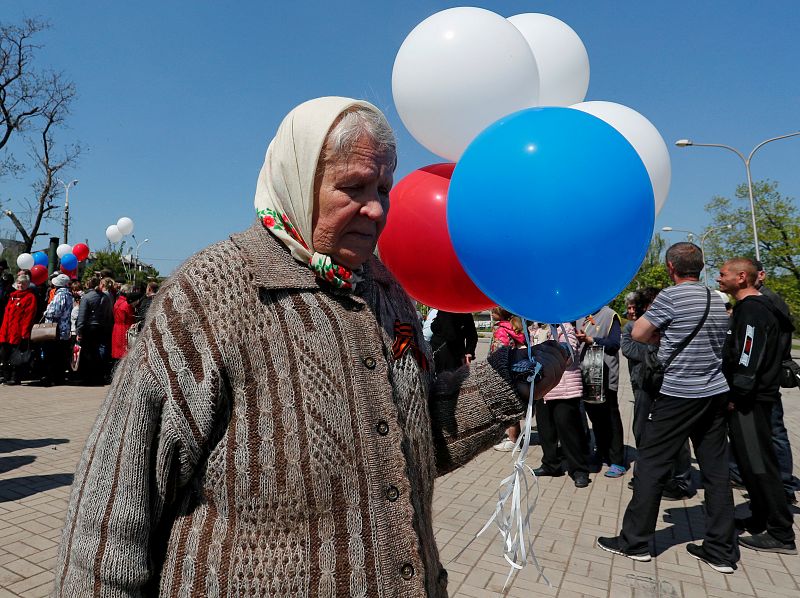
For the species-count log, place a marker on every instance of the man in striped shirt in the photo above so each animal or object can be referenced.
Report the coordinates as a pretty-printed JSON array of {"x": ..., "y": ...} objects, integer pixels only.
[{"x": 692, "y": 404}]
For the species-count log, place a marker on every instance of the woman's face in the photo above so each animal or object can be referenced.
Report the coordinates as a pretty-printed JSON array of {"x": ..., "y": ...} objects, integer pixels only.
[
  {"x": 352, "y": 194},
  {"x": 630, "y": 310}
]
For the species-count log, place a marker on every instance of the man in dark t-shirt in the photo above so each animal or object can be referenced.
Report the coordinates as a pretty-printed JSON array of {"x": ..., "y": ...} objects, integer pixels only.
[{"x": 752, "y": 363}]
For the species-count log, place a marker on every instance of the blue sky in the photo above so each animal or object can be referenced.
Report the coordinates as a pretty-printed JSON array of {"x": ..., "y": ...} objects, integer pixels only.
[{"x": 178, "y": 100}]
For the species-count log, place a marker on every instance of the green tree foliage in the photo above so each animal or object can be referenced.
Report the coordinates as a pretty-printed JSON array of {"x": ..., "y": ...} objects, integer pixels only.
[
  {"x": 652, "y": 273},
  {"x": 112, "y": 259},
  {"x": 778, "y": 222}
]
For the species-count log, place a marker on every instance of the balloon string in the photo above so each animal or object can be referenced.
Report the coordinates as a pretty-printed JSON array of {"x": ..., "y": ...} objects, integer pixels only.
[{"x": 513, "y": 511}]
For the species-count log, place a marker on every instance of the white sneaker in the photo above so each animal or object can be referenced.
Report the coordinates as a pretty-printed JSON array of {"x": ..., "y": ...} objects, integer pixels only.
[{"x": 506, "y": 446}]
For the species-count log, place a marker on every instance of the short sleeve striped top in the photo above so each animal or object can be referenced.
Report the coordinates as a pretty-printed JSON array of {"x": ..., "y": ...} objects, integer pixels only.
[{"x": 697, "y": 371}]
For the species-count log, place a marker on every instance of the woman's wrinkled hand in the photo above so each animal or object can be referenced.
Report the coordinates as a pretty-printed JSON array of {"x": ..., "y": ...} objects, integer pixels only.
[{"x": 554, "y": 359}]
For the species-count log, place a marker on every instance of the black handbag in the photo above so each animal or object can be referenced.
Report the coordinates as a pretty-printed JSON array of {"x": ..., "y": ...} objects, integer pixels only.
[
  {"x": 652, "y": 370},
  {"x": 21, "y": 358}
]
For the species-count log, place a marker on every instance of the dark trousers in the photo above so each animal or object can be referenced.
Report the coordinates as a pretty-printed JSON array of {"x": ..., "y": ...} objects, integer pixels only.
[
  {"x": 681, "y": 475},
  {"x": 783, "y": 451},
  {"x": 751, "y": 440},
  {"x": 56, "y": 360},
  {"x": 6, "y": 371},
  {"x": 672, "y": 421},
  {"x": 607, "y": 427},
  {"x": 92, "y": 365},
  {"x": 557, "y": 421}
]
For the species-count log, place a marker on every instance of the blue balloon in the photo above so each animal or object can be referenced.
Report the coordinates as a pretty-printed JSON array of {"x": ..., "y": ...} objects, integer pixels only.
[
  {"x": 551, "y": 212},
  {"x": 40, "y": 258},
  {"x": 69, "y": 261}
]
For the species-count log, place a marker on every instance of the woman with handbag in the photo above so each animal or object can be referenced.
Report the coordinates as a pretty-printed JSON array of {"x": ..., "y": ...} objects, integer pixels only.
[
  {"x": 56, "y": 351},
  {"x": 15, "y": 332}
]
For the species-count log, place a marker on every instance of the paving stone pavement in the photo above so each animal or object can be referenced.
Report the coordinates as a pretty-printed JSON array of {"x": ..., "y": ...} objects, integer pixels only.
[{"x": 42, "y": 432}]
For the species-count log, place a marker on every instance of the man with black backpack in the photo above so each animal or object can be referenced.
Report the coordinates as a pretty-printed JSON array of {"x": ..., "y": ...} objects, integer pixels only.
[
  {"x": 752, "y": 365},
  {"x": 692, "y": 402}
]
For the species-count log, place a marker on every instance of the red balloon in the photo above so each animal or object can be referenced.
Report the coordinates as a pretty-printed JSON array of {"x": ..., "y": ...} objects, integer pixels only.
[
  {"x": 71, "y": 273},
  {"x": 416, "y": 247},
  {"x": 80, "y": 251},
  {"x": 38, "y": 274}
]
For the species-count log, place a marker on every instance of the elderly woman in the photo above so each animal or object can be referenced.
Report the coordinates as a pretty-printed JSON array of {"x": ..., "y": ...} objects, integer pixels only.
[
  {"x": 59, "y": 311},
  {"x": 15, "y": 331},
  {"x": 276, "y": 429}
]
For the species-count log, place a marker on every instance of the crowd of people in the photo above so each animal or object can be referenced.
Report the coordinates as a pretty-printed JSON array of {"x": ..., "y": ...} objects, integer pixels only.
[
  {"x": 722, "y": 367},
  {"x": 93, "y": 323}
]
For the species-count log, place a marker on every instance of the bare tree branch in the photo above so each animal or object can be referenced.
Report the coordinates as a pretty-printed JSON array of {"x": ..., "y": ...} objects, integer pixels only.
[
  {"x": 36, "y": 104},
  {"x": 22, "y": 89}
]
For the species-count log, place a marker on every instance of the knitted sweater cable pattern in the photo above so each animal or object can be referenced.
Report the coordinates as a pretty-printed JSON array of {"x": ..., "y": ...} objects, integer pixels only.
[{"x": 260, "y": 440}]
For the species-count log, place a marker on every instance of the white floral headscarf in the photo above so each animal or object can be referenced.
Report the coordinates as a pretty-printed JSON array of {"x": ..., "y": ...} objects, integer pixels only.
[{"x": 285, "y": 191}]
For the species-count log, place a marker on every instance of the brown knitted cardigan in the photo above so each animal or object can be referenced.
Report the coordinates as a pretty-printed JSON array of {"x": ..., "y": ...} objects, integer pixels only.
[{"x": 260, "y": 440}]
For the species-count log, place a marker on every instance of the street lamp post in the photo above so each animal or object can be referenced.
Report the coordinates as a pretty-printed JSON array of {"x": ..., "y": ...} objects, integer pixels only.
[
  {"x": 138, "y": 245},
  {"x": 668, "y": 229},
  {"x": 66, "y": 206},
  {"x": 690, "y": 236},
  {"x": 747, "y": 160}
]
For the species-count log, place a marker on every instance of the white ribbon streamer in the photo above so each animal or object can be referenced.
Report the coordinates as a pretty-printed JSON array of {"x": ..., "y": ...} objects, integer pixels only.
[{"x": 512, "y": 515}]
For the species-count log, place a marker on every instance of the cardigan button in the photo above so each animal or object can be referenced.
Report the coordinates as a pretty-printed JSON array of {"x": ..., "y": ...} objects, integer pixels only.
[
  {"x": 382, "y": 427},
  {"x": 392, "y": 493},
  {"x": 370, "y": 363},
  {"x": 407, "y": 571}
]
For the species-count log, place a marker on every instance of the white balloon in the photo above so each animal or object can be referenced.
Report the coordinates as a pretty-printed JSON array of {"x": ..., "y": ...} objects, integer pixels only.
[
  {"x": 561, "y": 58},
  {"x": 644, "y": 138},
  {"x": 25, "y": 261},
  {"x": 125, "y": 225},
  {"x": 113, "y": 234},
  {"x": 63, "y": 250},
  {"x": 1, "y": 248},
  {"x": 459, "y": 71}
]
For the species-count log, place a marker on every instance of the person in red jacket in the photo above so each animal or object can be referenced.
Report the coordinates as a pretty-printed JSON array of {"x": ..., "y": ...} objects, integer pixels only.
[
  {"x": 124, "y": 318},
  {"x": 15, "y": 332}
]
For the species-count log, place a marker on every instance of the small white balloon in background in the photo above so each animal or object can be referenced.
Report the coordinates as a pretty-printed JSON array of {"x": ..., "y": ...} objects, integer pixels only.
[
  {"x": 125, "y": 225},
  {"x": 113, "y": 234},
  {"x": 644, "y": 138},
  {"x": 561, "y": 58},
  {"x": 459, "y": 71},
  {"x": 63, "y": 250},
  {"x": 25, "y": 261}
]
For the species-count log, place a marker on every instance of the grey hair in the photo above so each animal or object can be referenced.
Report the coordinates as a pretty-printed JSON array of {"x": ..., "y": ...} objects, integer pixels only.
[
  {"x": 355, "y": 123},
  {"x": 126, "y": 289},
  {"x": 630, "y": 298},
  {"x": 23, "y": 278}
]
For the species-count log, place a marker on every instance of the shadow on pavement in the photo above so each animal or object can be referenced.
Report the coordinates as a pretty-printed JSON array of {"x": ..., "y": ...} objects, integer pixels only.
[
  {"x": 9, "y": 445},
  {"x": 22, "y": 487},
  {"x": 11, "y": 463},
  {"x": 688, "y": 524}
]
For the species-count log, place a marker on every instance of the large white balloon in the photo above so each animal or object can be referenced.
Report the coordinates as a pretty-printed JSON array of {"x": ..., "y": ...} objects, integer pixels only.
[
  {"x": 561, "y": 58},
  {"x": 125, "y": 225},
  {"x": 113, "y": 234},
  {"x": 645, "y": 139},
  {"x": 63, "y": 250},
  {"x": 25, "y": 261},
  {"x": 459, "y": 71}
]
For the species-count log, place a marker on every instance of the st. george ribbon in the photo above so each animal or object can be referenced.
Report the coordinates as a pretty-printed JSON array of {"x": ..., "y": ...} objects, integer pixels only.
[{"x": 513, "y": 522}]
